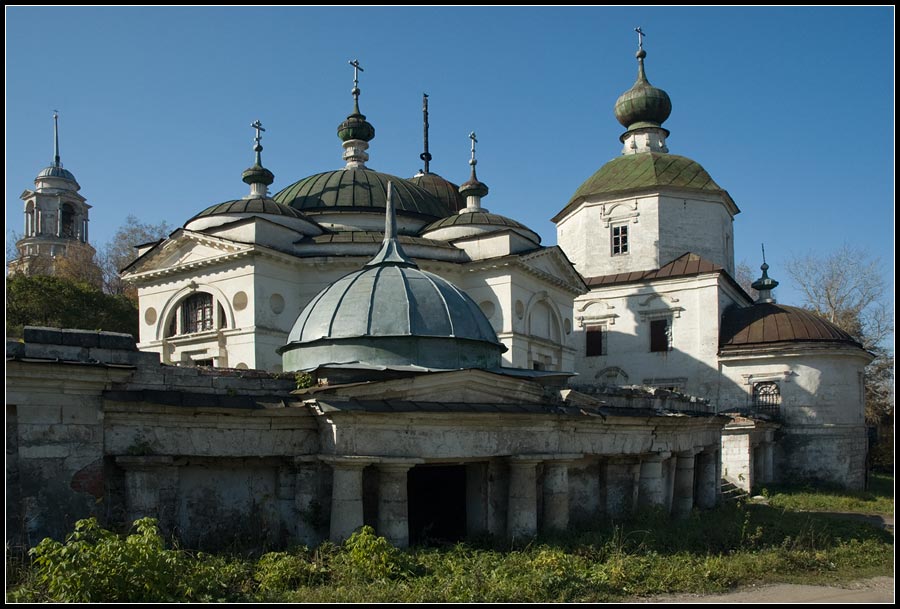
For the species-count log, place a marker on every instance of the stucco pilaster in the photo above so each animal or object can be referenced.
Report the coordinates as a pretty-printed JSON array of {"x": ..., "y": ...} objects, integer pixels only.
[{"x": 522, "y": 507}]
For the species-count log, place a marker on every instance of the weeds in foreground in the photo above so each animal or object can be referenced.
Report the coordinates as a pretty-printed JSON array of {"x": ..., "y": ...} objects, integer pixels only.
[
  {"x": 877, "y": 499},
  {"x": 709, "y": 552}
]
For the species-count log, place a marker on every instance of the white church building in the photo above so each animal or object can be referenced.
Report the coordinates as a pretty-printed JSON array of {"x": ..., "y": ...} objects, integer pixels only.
[{"x": 448, "y": 308}]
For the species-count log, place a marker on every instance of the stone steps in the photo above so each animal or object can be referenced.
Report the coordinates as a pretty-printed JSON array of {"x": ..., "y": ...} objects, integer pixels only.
[{"x": 732, "y": 492}]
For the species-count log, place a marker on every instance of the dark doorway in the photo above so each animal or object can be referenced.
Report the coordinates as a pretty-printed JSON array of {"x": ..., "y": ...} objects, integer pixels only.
[{"x": 437, "y": 503}]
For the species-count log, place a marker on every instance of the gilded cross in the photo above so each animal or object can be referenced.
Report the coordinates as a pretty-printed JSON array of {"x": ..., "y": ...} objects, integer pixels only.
[{"x": 641, "y": 35}]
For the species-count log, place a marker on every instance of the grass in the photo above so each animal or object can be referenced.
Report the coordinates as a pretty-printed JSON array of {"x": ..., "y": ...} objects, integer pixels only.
[
  {"x": 877, "y": 499},
  {"x": 713, "y": 551}
]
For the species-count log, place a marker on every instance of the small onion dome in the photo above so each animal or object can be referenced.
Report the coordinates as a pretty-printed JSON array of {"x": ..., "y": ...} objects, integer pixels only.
[
  {"x": 643, "y": 105},
  {"x": 356, "y": 127},
  {"x": 766, "y": 323},
  {"x": 765, "y": 282},
  {"x": 475, "y": 223},
  {"x": 358, "y": 189},
  {"x": 258, "y": 174},
  {"x": 473, "y": 188},
  {"x": 443, "y": 190}
]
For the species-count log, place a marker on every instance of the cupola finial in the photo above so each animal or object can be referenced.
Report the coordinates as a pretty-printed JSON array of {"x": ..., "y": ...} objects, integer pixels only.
[
  {"x": 425, "y": 156},
  {"x": 355, "y": 131},
  {"x": 765, "y": 284},
  {"x": 258, "y": 177},
  {"x": 56, "y": 162},
  {"x": 391, "y": 252},
  {"x": 473, "y": 190}
]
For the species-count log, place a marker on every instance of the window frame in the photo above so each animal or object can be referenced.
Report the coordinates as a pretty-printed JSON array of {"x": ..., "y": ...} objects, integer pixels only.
[
  {"x": 655, "y": 340},
  {"x": 618, "y": 243},
  {"x": 602, "y": 334}
]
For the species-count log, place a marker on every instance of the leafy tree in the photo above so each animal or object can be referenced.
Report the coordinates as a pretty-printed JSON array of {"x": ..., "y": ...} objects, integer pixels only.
[
  {"x": 119, "y": 251},
  {"x": 43, "y": 300}
]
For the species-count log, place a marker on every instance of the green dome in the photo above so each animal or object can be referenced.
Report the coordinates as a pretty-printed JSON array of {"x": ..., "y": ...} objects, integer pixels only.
[
  {"x": 484, "y": 221},
  {"x": 258, "y": 205},
  {"x": 443, "y": 190},
  {"x": 643, "y": 105},
  {"x": 358, "y": 189},
  {"x": 647, "y": 170}
]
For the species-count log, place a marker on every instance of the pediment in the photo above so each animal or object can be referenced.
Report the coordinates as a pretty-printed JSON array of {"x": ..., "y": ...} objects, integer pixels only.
[
  {"x": 553, "y": 262},
  {"x": 185, "y": 250}
]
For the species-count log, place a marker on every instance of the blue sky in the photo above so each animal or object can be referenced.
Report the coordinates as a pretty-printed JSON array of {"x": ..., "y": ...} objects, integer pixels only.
[{"x": 789, "y": 109}]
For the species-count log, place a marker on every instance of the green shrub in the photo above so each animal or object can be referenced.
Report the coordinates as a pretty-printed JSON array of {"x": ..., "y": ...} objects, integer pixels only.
[
  {"x": 366, "y": 557},
  {"x": 97, "y": 565}
]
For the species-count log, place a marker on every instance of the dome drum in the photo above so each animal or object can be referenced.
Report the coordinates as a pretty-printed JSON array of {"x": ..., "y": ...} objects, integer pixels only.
[{"x": 434, "y": 352}]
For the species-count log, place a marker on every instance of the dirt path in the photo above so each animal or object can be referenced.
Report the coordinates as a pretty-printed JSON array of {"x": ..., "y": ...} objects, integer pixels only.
[{"x": 874, "y": 590}]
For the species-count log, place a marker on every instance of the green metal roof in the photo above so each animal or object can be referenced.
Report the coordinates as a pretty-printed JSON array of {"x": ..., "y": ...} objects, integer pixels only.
[
  {"x": 647, "y": 170},
  {"x": 249, "y": 206},
  {"x": 358, "y": 190},
  {"x": 443, "y": 190},
  {"x": 480, "y": 219}
]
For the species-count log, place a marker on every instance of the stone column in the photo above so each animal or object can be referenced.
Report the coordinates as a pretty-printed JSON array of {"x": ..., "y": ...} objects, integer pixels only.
[
  {"x": 393, "y": 504},
  {"x": 556, "y": 496},
  {"x": 683, "y": 498},
  {"x": 669, "y": 473},
  {"x": 346, "y": 496},
  {"x": 307, "y": 501},
  {"x": 652, "y": 486},
  {"x": 497, "y": 496},
  {"x": 621, "y": 476},
  {"x": 708, "y": 484},
  {"x": 521, "y": 519},
  {"x": 151, "y": 484}
]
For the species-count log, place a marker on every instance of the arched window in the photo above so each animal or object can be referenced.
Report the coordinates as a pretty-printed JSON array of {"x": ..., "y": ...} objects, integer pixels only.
[
  {"x": 766, "y": 397},
  {"x": 29, "y": 220},
  {"x": 197, "y": 313},
  {"x": 67, "y": 224}
]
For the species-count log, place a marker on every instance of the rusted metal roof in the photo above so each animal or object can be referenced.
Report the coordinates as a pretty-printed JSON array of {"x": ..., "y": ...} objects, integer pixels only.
[
  {"x": 683, "y": 266},
  {"x": 765, "y": 323}
]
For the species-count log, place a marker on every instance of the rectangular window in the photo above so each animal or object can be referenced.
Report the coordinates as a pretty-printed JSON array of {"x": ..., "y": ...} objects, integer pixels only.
[
  {"x": 660, "y": 335},
  {"x": 619, "y": 240},
  {"x": 595, "y": 341}
]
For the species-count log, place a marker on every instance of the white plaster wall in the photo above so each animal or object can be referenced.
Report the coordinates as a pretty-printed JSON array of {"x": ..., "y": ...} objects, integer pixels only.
[
  {"x": 586, "y": 238},
  {"x": 816, "y": 389},
  {"x": 694, "y": 333},
  {"x": 692, "y": 224},
  {"x": 737, "y": 459}
]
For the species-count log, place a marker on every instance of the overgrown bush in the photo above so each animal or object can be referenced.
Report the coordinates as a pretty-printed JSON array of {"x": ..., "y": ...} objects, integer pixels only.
[
  {"x": 710, "y": 551},
  {"x": 366, "y": 557}
]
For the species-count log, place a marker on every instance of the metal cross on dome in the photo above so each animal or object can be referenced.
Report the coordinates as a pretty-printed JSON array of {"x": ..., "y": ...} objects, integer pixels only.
[
  {"x": 641, "y": 35},
  {"x": 258, "y": 126},
  {"x": 356, "y": 70},
  {"x": 474, "y": 141}
]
